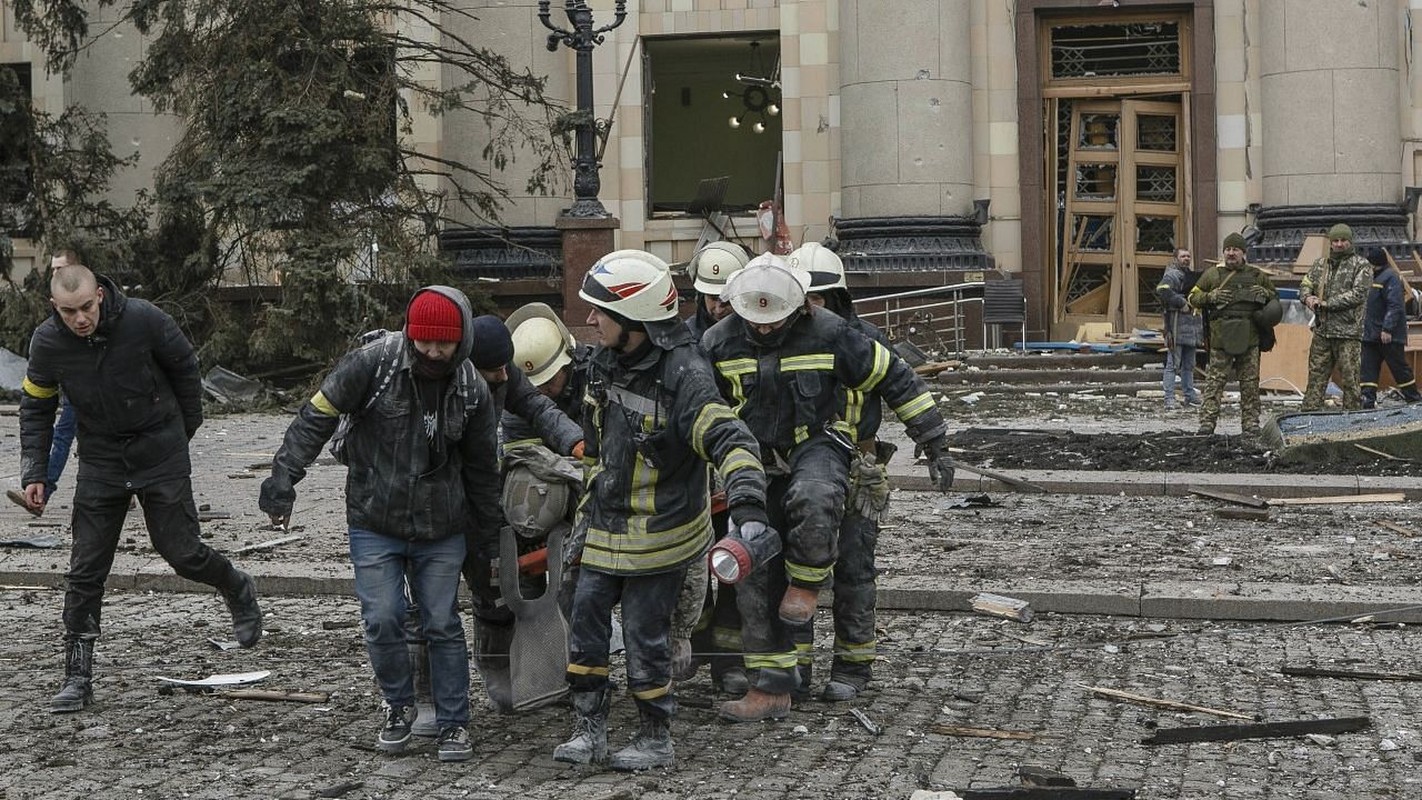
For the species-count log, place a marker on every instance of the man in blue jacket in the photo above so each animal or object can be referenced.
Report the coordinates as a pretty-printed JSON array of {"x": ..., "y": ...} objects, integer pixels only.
[{"x": 1385, "y": 333}]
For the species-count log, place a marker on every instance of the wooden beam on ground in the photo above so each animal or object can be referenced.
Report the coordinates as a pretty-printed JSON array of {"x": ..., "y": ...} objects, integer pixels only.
[
  {"x": 1384, "y": 497},
  {"x": 252, "y": 548},
  {"x": 1249, "y": 514},
  {"x": 999, "y": 606},
  {"x": 1361, "y": 675},
  {"x": 1263, "y": 730},
  {"x": 1395, "y": 528},
  {"x": 1159, "y": 703},
  {"x": 277, "y": 696},
  {"x": 1230, "y": 497}
]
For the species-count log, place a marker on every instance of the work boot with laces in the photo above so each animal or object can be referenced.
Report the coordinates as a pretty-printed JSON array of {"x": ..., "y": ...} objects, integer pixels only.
[
  {"x": 77, "y": 691},
  {"x": 454, "y": 744},
  {"x": 756, "y": 706},
  {"x": 589, "y": 742},
  {"x": 797, "y": 607},
  {"x": 246, "y": 614},
  {"x": 395, "y": 733},
  {"x": 650, "y": 748}
]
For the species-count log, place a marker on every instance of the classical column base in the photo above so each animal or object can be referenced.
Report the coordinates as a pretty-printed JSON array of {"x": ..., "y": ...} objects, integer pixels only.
[
  {"x": 911, "y": 244},
  {"x": 585, "y": 240},
  {"x": 1284, "y": 228},
  {"x": 504, "y": 253}
]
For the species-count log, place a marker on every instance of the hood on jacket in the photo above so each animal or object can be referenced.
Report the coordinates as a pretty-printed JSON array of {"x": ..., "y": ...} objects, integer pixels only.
[{"x": 466, "y": 319}]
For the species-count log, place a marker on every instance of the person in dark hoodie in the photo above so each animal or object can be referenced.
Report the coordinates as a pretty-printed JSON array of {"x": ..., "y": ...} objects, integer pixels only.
[
  {"x": 414, "y": 422},
  {"x": 132, "y": 379},
  {"x": 1385, "y": 332}
]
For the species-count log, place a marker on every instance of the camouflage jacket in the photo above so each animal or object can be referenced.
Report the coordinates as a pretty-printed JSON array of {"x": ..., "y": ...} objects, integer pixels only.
[{"x": 1342, "y": 289}]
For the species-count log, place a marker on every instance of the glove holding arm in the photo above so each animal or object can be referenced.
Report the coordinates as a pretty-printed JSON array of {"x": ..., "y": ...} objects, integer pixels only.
[{"x": 940, "y": 464}]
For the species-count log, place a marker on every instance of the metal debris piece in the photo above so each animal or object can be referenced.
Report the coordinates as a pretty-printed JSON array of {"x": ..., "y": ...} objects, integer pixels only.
[
  {"x": 40, "y": 541},
  {"x": 869, "y": 724}
]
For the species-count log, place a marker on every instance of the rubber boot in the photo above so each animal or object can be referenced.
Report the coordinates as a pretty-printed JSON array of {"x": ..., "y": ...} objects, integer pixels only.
[
  {"x": 589, "y": 742},
  {"x": 77, "y": 691},
  {"x": 797, "y": 607},
  {"x": 246, "y": 614},
  {"x": 756, "y": 706},
  {"x": 650, "y": 748}
]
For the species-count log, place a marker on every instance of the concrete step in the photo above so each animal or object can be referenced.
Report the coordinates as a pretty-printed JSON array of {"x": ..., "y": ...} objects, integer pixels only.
[{"x": 1045, "y": 375}]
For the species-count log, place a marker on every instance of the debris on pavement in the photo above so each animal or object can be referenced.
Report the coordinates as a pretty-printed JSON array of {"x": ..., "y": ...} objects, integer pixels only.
[
  {"x": 270, "y": 544},
  {"x": 981, "y": 733},
  {"x": 1263, "y": 730},
  {"x": 277, "y": 696},
  {"x": 41, "y": 541},
  {"x": 864, "y": 720},
  {"x": 1361, "y": 675},
  {"x": 1172, "y": 705},
  {"x": 1000, "y": 606},
  {"x": 216, "y": 681}
]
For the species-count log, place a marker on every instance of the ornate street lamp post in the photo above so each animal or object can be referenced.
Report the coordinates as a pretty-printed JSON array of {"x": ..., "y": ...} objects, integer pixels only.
[{"x": 582, "y": 38}]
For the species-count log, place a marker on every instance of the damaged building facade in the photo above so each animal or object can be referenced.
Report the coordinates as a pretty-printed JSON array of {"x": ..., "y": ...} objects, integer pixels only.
[{"x": 1071, "y": 144}]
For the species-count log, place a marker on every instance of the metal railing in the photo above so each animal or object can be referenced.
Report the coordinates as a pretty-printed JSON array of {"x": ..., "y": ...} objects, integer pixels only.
[{"x": 917, "y": 316}]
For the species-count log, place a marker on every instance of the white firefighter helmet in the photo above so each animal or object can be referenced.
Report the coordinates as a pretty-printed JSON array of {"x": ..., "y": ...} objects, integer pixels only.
[
  {"x": 542, "y": 343},
  {"x": 714, "y": 264},
  {"x": 824, "y": 265},
  {"x": 632, "y": 283},
  {"x": 767, "y": 291}
]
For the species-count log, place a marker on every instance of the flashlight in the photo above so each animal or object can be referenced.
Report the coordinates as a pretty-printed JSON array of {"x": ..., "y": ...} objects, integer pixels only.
[{"x": 742, "y": 551}]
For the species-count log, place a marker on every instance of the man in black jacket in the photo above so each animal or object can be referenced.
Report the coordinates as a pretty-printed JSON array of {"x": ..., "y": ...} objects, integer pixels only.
[{"x": 132, "y": 379}]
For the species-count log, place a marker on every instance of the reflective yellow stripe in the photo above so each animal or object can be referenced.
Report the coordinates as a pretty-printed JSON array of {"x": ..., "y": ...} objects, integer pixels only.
[
  {"x": 726, "y": 638},
  {"x": 853, "y": 409},
  {"x": 801, "y": 434},
  {"x": 823, "y": 362},
  {"x": 738, "y": 458},
  {"x": 644, "y": 483},
  {"x": 1162, "y": 286},
  {"x": 652, "y": 694},
  {"x": 584, "y": 669},
  {"x": 806, "y": 574},
  {"x": 36, "y": 391},
  {"x": 882, "y": 359},
  {"x": 709, "y": 415},
  {"x": 914, "y": 407},
  {"x": 321, "y": 404},
  {"x": 855, "y": 652},
  {"x": 640, "y": 550},
  {"x": 804, "y": 653},
  {"x": 733, "y": 370},
  {"x": 770, "y": 660}
]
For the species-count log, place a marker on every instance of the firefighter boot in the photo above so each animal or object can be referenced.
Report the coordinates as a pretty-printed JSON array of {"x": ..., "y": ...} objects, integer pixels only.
[
  {"x": 797, "y": 607},
  {"x": 589, "y": 742},
  {"x": 77, "y": 691},
  {"x": 756, "y": 706},
  {"x": 650, "y": 748},
  {"x": 246, "y": 614}
]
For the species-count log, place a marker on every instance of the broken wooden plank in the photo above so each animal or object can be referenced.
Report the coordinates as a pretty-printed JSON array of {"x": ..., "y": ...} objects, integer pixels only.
[
  {"x": 209, "y": 516},
  {"x": 1247, "y": 514},
  {"x": 1377, "y": 452},
  {"x": 1362, "y": 675},
  {"x": 267, "y": 545},
  {"x": 277, "y": 696},
  {"x": 1159, "y": 703},
  {"x": 1383, "y": 497},
  {"x": 1045, "y": 793},
  {"x": 1000, "y": 606},
  {"x": 1395, "y": 528},
  {"x": 1263, "y": 730},
  {"x": 1230, "y": 497},
  {"x": 980, "y": 733}
]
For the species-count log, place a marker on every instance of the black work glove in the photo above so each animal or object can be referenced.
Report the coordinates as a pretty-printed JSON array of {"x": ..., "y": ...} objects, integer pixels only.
[
  {"x": 940, "y": 464},
  {"x": 276, "y": 499}
]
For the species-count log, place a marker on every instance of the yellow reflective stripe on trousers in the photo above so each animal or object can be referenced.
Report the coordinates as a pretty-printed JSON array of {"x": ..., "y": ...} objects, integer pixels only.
[
  {"x": 584, "y": 669},
  {"x": 322, "y": 405},
  {"x": 36, "y": 391},
  {"x": 726, "y": 638},
  {"x": 652, "y": 694},
  {"x": 854, "y": 652},
  {"x": 804, "y": 653},
  {"x": 804, "y": 574},
  {"x": 770, "y": 660}
]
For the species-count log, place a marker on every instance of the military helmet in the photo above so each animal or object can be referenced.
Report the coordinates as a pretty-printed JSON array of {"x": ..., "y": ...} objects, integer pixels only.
[{"x": 532, "y": 504}]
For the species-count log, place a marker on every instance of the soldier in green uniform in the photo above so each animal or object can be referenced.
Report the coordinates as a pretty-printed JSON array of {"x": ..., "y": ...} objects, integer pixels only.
[
  {"x": 1231, "y": 293},
  {"x": 1336, "y": 289}
]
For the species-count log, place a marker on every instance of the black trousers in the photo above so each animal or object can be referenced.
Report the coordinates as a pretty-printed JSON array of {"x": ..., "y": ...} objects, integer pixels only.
[
  {"x": 172, "y": 519},
  {"x": 1375, "y": 354}
]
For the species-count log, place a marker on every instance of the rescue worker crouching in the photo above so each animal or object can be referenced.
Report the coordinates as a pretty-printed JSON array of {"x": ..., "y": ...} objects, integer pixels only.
[
  {"x": 652, "y": 418},
  {"x": 783, "y": 367}
]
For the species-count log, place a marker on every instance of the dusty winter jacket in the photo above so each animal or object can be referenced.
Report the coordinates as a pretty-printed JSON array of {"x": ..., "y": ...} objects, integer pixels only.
[
  {"x": 791, "y": 394},
  {"x": 519, "y": 401},
  {"x": 1238, "y": 293},
  {"x": 653, "y": 420},
  {"x": 1384, "y": 307},
  {"x": 135, "y": 388},
  {"x": 399, "y": 483},
  {"x": 1183, "y": 327},
  {"x": 1342, "y": 285},
  {"x": 515, "y": 430}
]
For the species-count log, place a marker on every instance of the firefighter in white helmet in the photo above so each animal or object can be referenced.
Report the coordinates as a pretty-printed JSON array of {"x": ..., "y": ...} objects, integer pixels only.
[
  {"x": 653, "y": 419},
  {"x": 709, "y": 270},
  {"x": 784, "y": 366}
]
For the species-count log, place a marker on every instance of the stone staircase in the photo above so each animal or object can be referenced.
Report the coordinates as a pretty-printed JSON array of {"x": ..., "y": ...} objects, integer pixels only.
[{"x": 1115, "y": 374}]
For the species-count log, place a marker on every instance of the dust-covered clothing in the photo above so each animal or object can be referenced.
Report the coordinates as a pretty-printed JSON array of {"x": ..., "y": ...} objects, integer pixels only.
[
  {"x": 1340, "y": 282},
  {"x": 1184, "y": 332},
  {"x": 1231, "y": 294}
]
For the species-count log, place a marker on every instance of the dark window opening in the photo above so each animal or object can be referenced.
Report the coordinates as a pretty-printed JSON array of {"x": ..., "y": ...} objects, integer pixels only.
[{"x": 1125, "y": 49}]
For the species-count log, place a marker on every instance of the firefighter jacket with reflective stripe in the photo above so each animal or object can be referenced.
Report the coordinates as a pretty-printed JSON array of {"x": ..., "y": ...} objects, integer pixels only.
[
  {"x": 653, "y": 420},
  {"x": 792, "y": 393},
  {"x": 415, "y": 473},
  {"x": 865, "y": 412},
  {"x": 533, "y": 415},
  {"x": 135, "y": 388}
]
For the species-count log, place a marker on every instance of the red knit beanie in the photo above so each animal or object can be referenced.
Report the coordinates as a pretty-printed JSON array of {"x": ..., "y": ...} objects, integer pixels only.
[{"x": 434, "y": 318}]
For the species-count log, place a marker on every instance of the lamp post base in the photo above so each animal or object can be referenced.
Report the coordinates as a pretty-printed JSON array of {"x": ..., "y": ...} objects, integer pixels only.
[{"x": 585, "y": 240}]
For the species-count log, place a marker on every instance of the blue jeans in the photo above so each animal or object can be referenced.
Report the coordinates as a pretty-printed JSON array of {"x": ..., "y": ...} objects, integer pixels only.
[
  {"x": 1181, "y": 359},
  {"x": 381, "y": 564},
  {"x": 64, "y": 428}
]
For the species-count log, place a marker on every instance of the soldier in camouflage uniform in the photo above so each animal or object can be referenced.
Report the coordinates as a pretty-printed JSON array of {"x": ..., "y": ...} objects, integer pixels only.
[
  {"x": 1336, "y": 289},
  {"x": 1231, "y": 293}
]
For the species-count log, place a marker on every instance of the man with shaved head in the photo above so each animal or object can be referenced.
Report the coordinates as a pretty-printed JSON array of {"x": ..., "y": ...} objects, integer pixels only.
[{"x": 132, "y": 379}]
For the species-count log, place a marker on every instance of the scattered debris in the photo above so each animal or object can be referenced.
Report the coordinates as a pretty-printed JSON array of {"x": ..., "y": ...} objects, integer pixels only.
[
  {"x": 1264, "y": 730},
  {"x": 1041, "y": 776},
  {"x": 1000, "y": 606},
  {"x": 39, "y": 541},
  {"x": 209, "y": 516},
  {"x": 340, "y": 789},
  {"x": 1159, "y": 703},
  {"x": 1398, "y": 529},
  {"x": 226, "y": 386},
  {"x": 969, "y": 501},
  {"x": 869, "y": 724},
  {"x": 216, "y": 681},
  {"x": 1230, "y": 497},
  {"x": 981, "y": 733},
  {"x": 336, "y": 624},
  {"x": 224, "y": 646},
  {"x": 1246, "y": 514},
  {"x": 1017, "y": 483},
  {"x": 1362, "y": 675},
  {"x": 268, "y": 545},
  {"x": 1045, "y": 793},
  {"x": 277, "y": 696},
  {"x": 1384, "y": 497}
]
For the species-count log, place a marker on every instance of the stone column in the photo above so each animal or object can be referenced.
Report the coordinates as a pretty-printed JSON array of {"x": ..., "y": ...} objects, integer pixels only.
[
  {"x": 907, "y": 136},
  {"x": 1330, "y": 89}
]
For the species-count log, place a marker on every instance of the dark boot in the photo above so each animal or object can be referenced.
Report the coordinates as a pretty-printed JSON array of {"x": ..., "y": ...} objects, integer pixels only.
[
  {"x": 756, "y": 706},
  {"x": 733, "y": 681},
  {"x": 77, "y": 691},
  {"x": 589, "y": 742},
  {"x": 246, "y": 614},
  {"x": 650, "y": 748}
]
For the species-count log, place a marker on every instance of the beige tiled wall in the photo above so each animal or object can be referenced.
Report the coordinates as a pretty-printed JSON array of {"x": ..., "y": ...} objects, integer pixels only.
[{"x": 996, "y": 173}]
